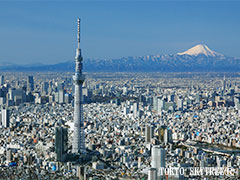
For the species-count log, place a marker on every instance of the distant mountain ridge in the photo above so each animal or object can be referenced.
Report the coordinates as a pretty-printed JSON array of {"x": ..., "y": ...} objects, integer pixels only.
[{"x": 197, "y": 59}]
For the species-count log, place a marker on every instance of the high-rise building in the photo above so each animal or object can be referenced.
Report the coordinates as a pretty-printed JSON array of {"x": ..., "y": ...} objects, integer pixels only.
[
  {"x": 67, "y": 98},
  {"x": 61, "y": 139},
  {"x": 56, "y": 96},
  {"x": 180, "y": 104},
  {"x": 78, "y": 143},
  {"x": 30, "y": 84},
  {"x": 9, "y": 155},
  {"x": 81, "y": 174},
  {"x": 2, "y": 100},
  {"x": 167, "y": 135},
  {"x": 5, "y": 117},
  {"x": 135, "y": 110},
  {"x": 60, "y": 86},
  {"x": 149, "y": 133},
  {"x": 152, "y": 174},
  {"x": 224, "y": 84},
  {"x": 160, "y": 105},
  {"x": 85, "y": 94},
  {"x": 44, "y": 88},
  {"x": 1, "y": 80},
  {"x": 155, "y": 103},
  {"x": 171, "y": 98},
  {"x": 61, "y": 94},
  {"x": 125, "y": 90},
  {"x": 158, "y": 159}
]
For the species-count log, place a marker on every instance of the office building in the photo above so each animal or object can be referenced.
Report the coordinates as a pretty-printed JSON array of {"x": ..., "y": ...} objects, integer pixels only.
[
  {"x": 158, "y": 159},
  {"x": 61, "y": 140},
  {"x": 135, "y": 110},
  {"x": 160, "y": 105},
  {"x": 1, "y": 80},
  {"x": 152, "y": 174},
  {"x": 149, "y": 133},
  {"x": 5, "y": 117},
  {"x": 61, "y": 95},
  {"x": 30, "y": 84}
]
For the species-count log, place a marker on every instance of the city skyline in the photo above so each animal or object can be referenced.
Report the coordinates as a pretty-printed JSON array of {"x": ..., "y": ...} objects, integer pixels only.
[
  {"x": 164, "y": 112},
  {"x": 41, "y": 33}
]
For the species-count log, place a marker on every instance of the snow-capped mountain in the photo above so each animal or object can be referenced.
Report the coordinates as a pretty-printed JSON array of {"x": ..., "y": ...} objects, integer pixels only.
[
  {"x": 200, "y": 49},
  {"x": 199, "y": 58}
]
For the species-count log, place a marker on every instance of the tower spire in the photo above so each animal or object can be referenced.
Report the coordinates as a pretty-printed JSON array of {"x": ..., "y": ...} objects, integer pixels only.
[
  {"x": 78, "y": 57},
  {"x": 78, "y": 143},
  {"x": 78, "y": 35}
]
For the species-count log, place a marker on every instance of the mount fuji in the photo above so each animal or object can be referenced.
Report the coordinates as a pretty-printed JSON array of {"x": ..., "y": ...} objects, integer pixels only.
[
  {"x": 199, "y": 58},
  {"x": 200, "y": 49}
]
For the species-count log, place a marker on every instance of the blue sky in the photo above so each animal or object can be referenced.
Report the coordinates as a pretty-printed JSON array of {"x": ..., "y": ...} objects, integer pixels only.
[{"x": 45, "y": 32}]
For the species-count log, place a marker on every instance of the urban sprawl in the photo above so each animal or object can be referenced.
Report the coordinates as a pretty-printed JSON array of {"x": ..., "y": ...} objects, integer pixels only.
[{"x": 136, "y": 125}]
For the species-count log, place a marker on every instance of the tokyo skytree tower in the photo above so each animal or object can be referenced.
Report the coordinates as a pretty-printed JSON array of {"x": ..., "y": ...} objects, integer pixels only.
[{"x": 78, "y": 143}]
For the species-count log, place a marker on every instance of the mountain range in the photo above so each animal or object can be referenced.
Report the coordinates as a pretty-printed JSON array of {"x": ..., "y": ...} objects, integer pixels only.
[{"x": 199, "y": 58}]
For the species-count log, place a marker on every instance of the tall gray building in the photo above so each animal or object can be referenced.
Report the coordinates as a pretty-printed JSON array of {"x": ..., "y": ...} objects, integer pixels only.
[
  {"x": 78, "y": 143},
  {"x": 158, "y": 155},
  {"x": 161, "y": 105},
  {"x": 61, "y": 139},
  {"x": 5, "y": 117},
  {"x": 224, "y": 84},
  {"x": 155, "y": 103},
  {"x": 61, "y": 94},
  {"x": 135, "y": 110},
  {"x": 30, "y": 84},
  {"x": 1, "y": 80},
  {"x": 180, "y": 104},
  {"x": 44, "y": 88},
  {"x": 149, "y": 133},
  {"x": 152, "y": 174}
]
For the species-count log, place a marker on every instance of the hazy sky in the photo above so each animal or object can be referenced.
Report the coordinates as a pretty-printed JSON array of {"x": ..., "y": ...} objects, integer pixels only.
[{"x": 45, "y": 32}]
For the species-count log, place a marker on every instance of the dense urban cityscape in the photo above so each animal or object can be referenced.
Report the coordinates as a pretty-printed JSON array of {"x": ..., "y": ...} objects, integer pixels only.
[
  {"x": 151, "y": 117},
  {"x": 133, "y": 124}
]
